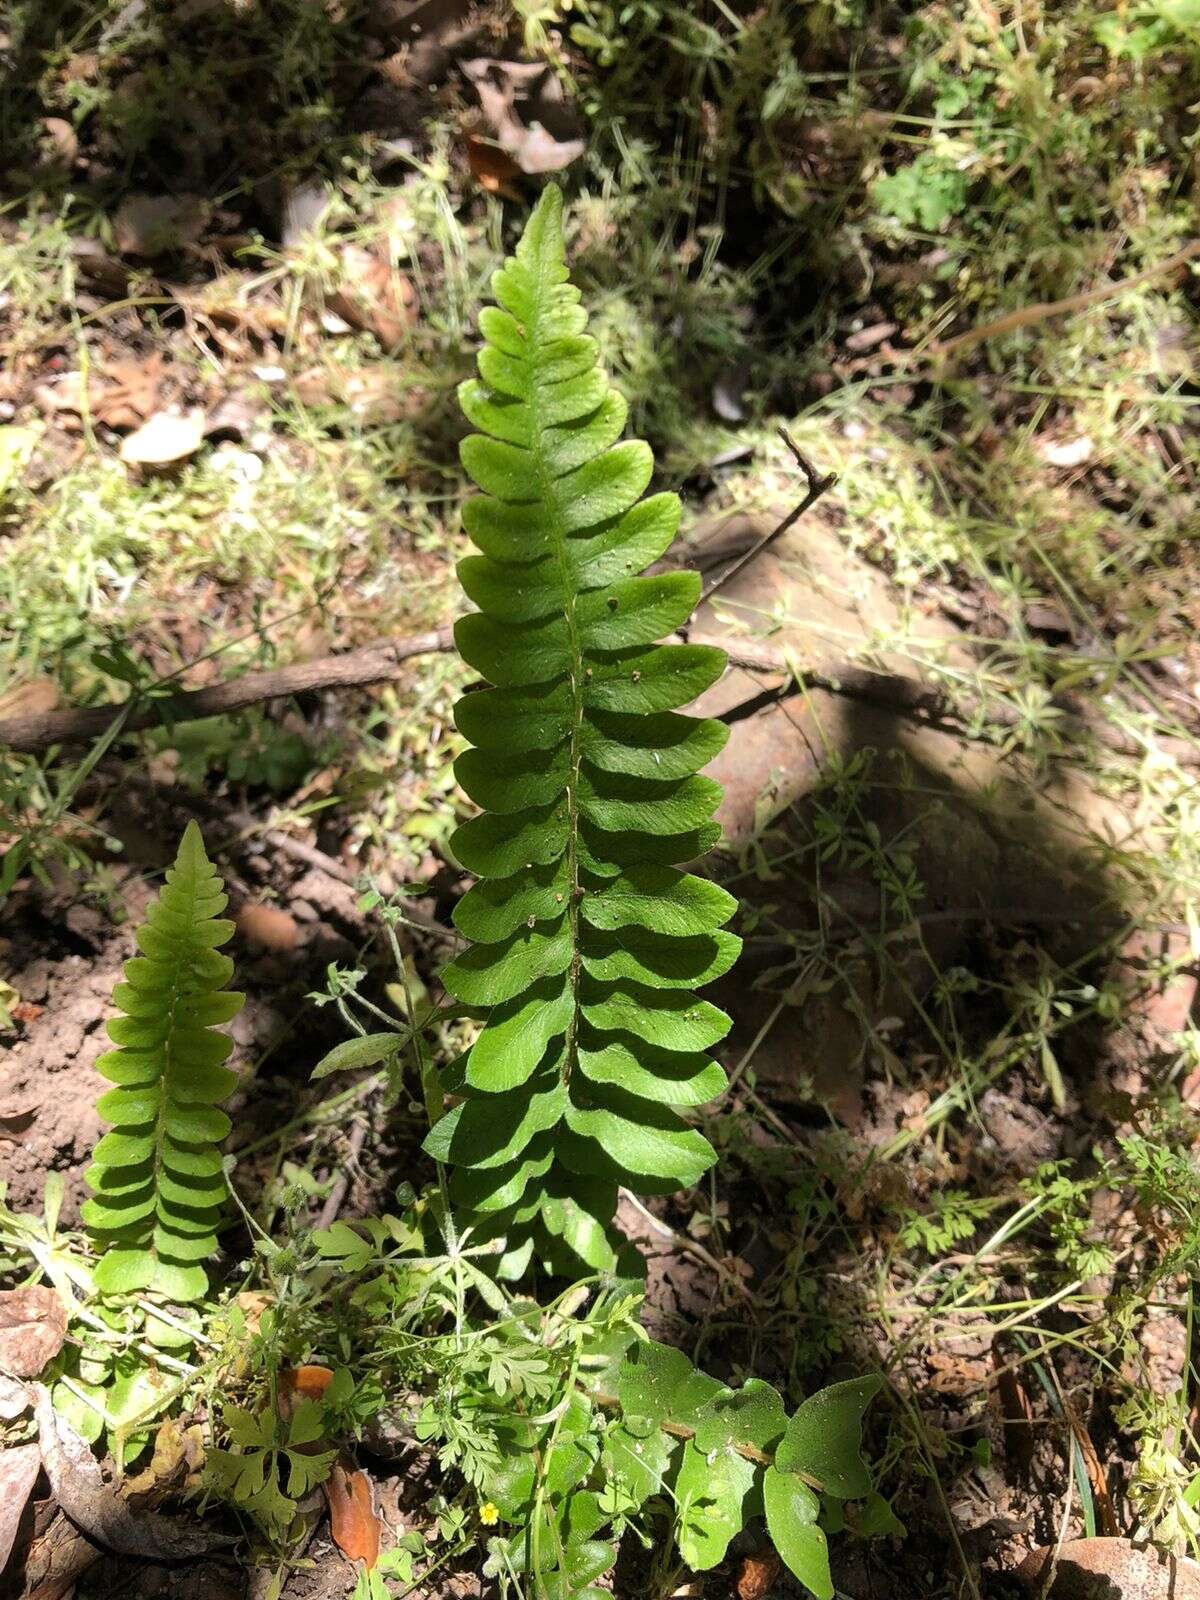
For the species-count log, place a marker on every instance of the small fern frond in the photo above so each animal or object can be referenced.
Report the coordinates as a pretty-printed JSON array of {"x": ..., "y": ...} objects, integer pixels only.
[
  {"x": 586, "y": 942},
  {"x": 156, "y": 1178}
]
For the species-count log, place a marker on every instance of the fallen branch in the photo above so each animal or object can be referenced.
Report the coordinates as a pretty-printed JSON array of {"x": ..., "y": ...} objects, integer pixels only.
[
  {"x": 1030, "y": 316},
  {"x": 374, "y": 663}
]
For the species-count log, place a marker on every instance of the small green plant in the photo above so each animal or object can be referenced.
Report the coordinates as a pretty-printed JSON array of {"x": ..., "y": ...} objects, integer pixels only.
[
  {"x": 559, "y": 1427},
  {"x": 156, "y": 1178},
  {"x": 586, "y": 942}
]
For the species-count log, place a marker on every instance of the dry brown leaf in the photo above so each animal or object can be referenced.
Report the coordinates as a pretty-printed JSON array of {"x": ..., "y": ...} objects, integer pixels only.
[
  {"x": 29, "y": 699},
  {"x": 492, "y": 168},
  {"x": 19, "y": 1467},
  {"x": 164, "y": 440},
  {"x": 301, "y": 1383},
  {"x": 757, "y": 1575},
  {"x": 94, "y": 1505},
  {"x": 33, "y": 1325},
  {"x": 527, "y": 112},
  {"x": 267, "y": 926},
  {"x": 353, "y": 1520},
  {"x": 374, "y": 297},
  {"x": 1110, "y": 1569},
  {"x": 129, "y": 392}
]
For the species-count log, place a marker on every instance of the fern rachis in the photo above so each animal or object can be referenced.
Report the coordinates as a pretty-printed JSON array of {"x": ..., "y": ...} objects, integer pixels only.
[{"x": 586, "y": 941}]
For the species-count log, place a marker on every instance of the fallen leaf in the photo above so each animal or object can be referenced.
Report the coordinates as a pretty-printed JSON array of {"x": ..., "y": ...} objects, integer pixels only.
[
  {"x": 165, "y": 439},
  {"x": 94, "y": 1505},
  {"x": 129, "y": 390},
  {"x": 301, "y": 1383},
  {"x": 757, "y": 1575},
  {"x": 353, "y": 1520},
  {"x": 29, "y": 699},
  {"x": 178, "y": 1456},
  {"x": 33, "y": 1325},
  {"x": 527, "y": 111},
  {"x": 267, "y": 926},
  {"x": 150, "y": 225},
  {"x": 19, "y": 1467},
  {"x": 374, "y": 297},
  {"x": 1110, "y": 1569},
  {"x": 492, "y": 168}
]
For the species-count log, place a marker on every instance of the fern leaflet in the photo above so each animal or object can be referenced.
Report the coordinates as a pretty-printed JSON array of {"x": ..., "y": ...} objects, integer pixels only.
[
  {"x": 156, "y": 1178},
  {"x": 586, "y": 942}
]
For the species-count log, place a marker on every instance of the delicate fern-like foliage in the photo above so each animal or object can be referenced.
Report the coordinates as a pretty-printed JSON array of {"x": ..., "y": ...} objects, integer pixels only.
[
  {"x": 156, "y": 1178},
  {"x": 586, "y": 942}
]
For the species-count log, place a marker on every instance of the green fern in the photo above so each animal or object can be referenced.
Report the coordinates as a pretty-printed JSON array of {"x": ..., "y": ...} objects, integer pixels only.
[
  {"x": 586, "y": 943},
  {"x": 156, "y": 1178}
]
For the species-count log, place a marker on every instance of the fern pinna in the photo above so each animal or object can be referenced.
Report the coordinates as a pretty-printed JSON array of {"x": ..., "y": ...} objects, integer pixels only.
[
  {"x": 586, "y": 942},
  {"x": 156, "y": 1178}
]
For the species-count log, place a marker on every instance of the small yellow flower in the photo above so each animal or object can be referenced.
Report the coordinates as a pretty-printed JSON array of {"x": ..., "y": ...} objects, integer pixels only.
[{"x": 489, "y": 1514}]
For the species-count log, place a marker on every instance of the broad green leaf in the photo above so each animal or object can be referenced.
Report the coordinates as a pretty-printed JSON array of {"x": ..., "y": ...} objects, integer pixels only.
[
  {"x": 792, "y": 1509},
  {"x": 643, "y": 805},
  {"x": 491, "y": 974},
  {"x": 823, "y": 1439},
  {"x": 658, "y": 961},
  {"x": 496, "y": 907},
  {"x": 509, "y": 655},
  {"x": 640, "y": 1455},
  {"x": 666, "y": 1018},
  {"x": 659, "y": 899},
  {"x": 496, "y": 846},
  {"x": 660, "y": 1384},
  {"x": 495, "y": 1128},
  {"x": 663, "y": 746},
  {"x": 367, "y": 1051},
  {"x": 626, "y": 545},
  {"x": 671, "y": 1077},
  {"x": 752, "y": 1415},
  {"x": 659, "y": 678},
  {"x": 513, "y": 783},
  {"x": 711, "y": 1490},
  {"x": 636, "y": 611},
  {"x": 513, "y": 591},
  {"x": 513, "y": 1043},
  {"x": 641, "y": 1144}
]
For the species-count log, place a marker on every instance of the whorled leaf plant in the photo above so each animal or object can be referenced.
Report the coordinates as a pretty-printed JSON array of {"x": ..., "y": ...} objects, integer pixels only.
[
  {"x": 156, "y": 1177},
  {"x": 586, "y": 941}
]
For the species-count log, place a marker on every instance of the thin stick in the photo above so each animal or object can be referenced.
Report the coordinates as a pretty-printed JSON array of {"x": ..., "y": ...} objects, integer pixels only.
[{"x": 817, "y": 486}]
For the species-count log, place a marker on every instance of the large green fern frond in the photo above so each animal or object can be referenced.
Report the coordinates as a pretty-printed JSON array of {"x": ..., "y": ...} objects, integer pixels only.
[
  {"x": 156, "y": 1178},
  {"x": 586, "y": 942}
]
